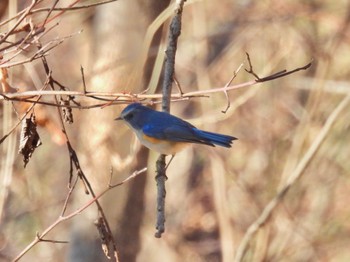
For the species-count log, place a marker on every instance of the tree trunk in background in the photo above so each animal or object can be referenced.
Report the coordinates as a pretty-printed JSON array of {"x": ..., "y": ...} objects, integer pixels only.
[{"x": 116, "y": 39}]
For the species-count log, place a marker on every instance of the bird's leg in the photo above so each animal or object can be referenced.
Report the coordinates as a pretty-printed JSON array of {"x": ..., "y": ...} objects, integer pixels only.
[
  {"x": 166, "y": 167},
  {"x": 171, "y": 159}
]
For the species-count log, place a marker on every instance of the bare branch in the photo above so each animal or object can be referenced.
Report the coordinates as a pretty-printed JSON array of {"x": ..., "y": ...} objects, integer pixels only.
[
  {"x": 275, "y": 75},
  {"x": 227, "y": 85},
  {"x": 72, "y": 8},
  {"x": 36, "y": 32},
  {"x": 61, "y": 218},
  {"x": 23, "y": 16},
  {"x": 25, "y": 114},
  {"x": 169, "y": 72},
  {"x": 121, "y": 98},
  {"x": 292, "y": 179}
]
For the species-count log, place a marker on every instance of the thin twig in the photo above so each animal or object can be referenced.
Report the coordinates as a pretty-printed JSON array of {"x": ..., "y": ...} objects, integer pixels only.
[
  {"x": 26, "y": 113},
  {"x": 72, "y": 8},
  {"x": 292, "y": 179},
  {"x": 47, "y": 20},
  {"x": 74, "y": 159},
  {"x": 43, "y": 51},
  {"x": 177, "y": 84},
  {"x": 19, "y": 42},
  {"x": 50, "y": 240},
  {"x": 23, "y": 16},
  {"x": 83, "y": 79},
  {"x": 125, "y": 97},
  {"x": 45, "y": 9},
  {"x": 61, "y": 219},
  {"x": 275, "y": 75},
  {"x": 49, "y": 13},
  {"x": 227, "y": 85}
]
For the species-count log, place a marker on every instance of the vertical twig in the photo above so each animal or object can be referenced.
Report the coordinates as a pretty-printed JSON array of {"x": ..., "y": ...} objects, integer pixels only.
[
  {"x": 161, "y": 193},
  {"x": 74, "y": 157},
  {"x": 169, "y": 69}
]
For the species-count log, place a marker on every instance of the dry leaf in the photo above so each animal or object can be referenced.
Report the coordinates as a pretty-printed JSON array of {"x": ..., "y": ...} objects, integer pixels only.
[
  {"x": 105, "y": 237},
  {"x": 44, "y": 119},
  {"x": 29, "y": 139},
  {"x": 5, "y": 86}
]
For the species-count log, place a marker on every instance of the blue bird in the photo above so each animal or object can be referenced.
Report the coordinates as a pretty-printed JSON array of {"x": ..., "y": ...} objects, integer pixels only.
[{"x": 165, "y": 133}]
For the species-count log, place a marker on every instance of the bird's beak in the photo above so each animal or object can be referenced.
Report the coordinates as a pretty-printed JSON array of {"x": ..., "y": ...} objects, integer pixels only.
[{"x": 118, "y": 118}]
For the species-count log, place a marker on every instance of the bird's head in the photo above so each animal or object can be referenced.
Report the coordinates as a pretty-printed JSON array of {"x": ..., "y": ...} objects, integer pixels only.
[{"x": 134, "y": 115}]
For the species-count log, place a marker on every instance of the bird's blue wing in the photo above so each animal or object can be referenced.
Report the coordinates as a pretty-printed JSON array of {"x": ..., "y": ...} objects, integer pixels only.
[
  {"x": 168, "y": 127},
  {"x": 177, "y": 132},
  {"x": 154, "y": 130}
]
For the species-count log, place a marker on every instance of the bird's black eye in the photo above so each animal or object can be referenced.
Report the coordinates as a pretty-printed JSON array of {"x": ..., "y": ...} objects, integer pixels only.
[{"x": 129, "y": 116}]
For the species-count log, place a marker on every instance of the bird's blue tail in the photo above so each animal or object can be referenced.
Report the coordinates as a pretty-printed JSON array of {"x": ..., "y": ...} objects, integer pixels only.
[{"x": 214, "y": 138}]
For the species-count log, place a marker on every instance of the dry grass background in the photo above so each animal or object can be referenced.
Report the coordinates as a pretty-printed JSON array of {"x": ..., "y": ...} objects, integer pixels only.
[{"x": 213, "y": 194}]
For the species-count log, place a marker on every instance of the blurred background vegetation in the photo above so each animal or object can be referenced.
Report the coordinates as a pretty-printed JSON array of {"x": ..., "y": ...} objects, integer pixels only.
[{"x": 213, "y": 194}]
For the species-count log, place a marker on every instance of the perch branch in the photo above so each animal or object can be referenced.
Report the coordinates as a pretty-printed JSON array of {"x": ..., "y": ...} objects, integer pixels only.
[{"x": 169, "y": 71}]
